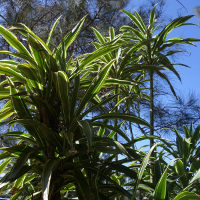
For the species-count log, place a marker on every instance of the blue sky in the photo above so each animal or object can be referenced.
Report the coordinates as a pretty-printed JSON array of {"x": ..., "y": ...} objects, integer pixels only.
[{"x": 190, "y": 76}]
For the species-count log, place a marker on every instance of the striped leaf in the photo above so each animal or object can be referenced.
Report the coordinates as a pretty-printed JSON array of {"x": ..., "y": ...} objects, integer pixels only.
[
  {"x": 52, "y": 31},
  {"x": 95, "y": 86},
  {"x": 70, "y": 37},
  {"x": 136, "y": 20},
  {"x": 46, "y": 178},
  {"x": 62, "y": 87},
  {"x": 40, "y": 41},
  {"x": 187, "y": 196},
  {"x": 122, "y": 116},
  {"x": 99, "y": 36},
  {"x": 141, "y": 171},
  {"x": 13, "y": 40}
]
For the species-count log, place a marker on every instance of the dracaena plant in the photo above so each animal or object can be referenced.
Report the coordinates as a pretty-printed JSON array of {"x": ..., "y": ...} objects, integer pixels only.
[
  {"x": 49, "y": 95},
  {"x": 126, "y": 87},
  {"x": 153, "y": 50},
  {"x": 168, "y": 185},
  {"x": 187, "y": 167}
]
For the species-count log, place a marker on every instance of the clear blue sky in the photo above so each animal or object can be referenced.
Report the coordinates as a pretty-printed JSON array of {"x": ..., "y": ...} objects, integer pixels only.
[{"x": 190, "y": 76}]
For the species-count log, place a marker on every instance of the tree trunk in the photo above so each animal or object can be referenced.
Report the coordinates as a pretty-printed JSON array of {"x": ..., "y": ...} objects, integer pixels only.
[
  {"x": 55, "y": 187},
  {"x": 115, "y": 125},
  {"x": 152, "y": 122},
  {"x": 131, "y": 131},
  {"x": 116, "y": 121},
  {"x": 56, "y": 196},
  {"x": 151, "y": 108}
]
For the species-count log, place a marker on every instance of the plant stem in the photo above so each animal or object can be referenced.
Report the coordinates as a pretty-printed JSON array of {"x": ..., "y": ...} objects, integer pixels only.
[
  {"x": 151, "y": 108},
  {"x": 152, "y": 123}
]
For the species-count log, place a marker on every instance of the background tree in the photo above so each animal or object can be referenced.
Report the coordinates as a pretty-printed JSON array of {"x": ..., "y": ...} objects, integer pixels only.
[
  {"x": 40, "y": 15},
  {"x": 182, "y": 111}
]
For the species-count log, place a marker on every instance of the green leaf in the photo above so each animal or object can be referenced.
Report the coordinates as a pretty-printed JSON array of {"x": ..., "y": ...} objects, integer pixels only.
[
  {"x": 123, "y": 169},
  {"x": 129, "y": 55},
  {"x": 99, "y": 36},
  {"x": 37, "y": 52},
  {"x": 87, "y": 131},
  {"x": 28, "y": 71},
  {"x": 17, "y": 194},
  {"x": 95, "y": 86},
  {"x": 140, "y": 20},
  {"x": 136, "y": 21},
  {"x": 187, "y": 196},
  {"x": 40, "y": 41},
  {"x": 62, "y": 87},
  {"x": 160, "y": 190},
  {"x": 46, "y": 178},
  {"x": 152, "y": 18},
  {"x": 4, "y": 155},
  {"x": 166, "y": 63},
  {"x": 193, "y": 180},
  {"x": 134, "y": 31},
  {"x": 29, "y": 178},
  {"x": 117, "y": 130},
  {"x": 6, "y": 111},
  {"x": 97, "y": 54},
  {"x": 9, "y": 62},
  {"x": 173, "y": 41},
  {"x": 141, "y": 171},
  {"x": 4, "y": 92},
  {"x": 122, "y": 116},
  {"x": 115, "y": 178},
  {"x": 111, "y": 33},
  {"x": 101, "y": 131},
  {"x": 163, "y": 76},
  {"x": 19, "y": 135},
  {"x": 82, "y": 187},
  {"x": 74, "y": 96},
  {"x": 18, "y": 169},
  {"x": 52, "y": 31},
  {"x": 121, "y": 148},
  {"x": 70, "y": 37},
  {"x": 102, "y": 77},
  {"x": 180, "y": 170},
  {"x": 18, "y": 103},
  {"x": 19, "y": 182},
  {"x": 41, "y": 132},
  {"x": 19, "y": 55},
  {"x": 4, "y": 164},
  {"x": 13, "y": 41},
  {"x": 96, "y": 45},
  {"x": 195, "y": 137},
  {"x": 160, "y": 39},
  {"x": 99, "y": 105},
  {"x": 12, "y": 72},
  {"x": 69, "y": 63},
  {"x": 145, "y": 187}
]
